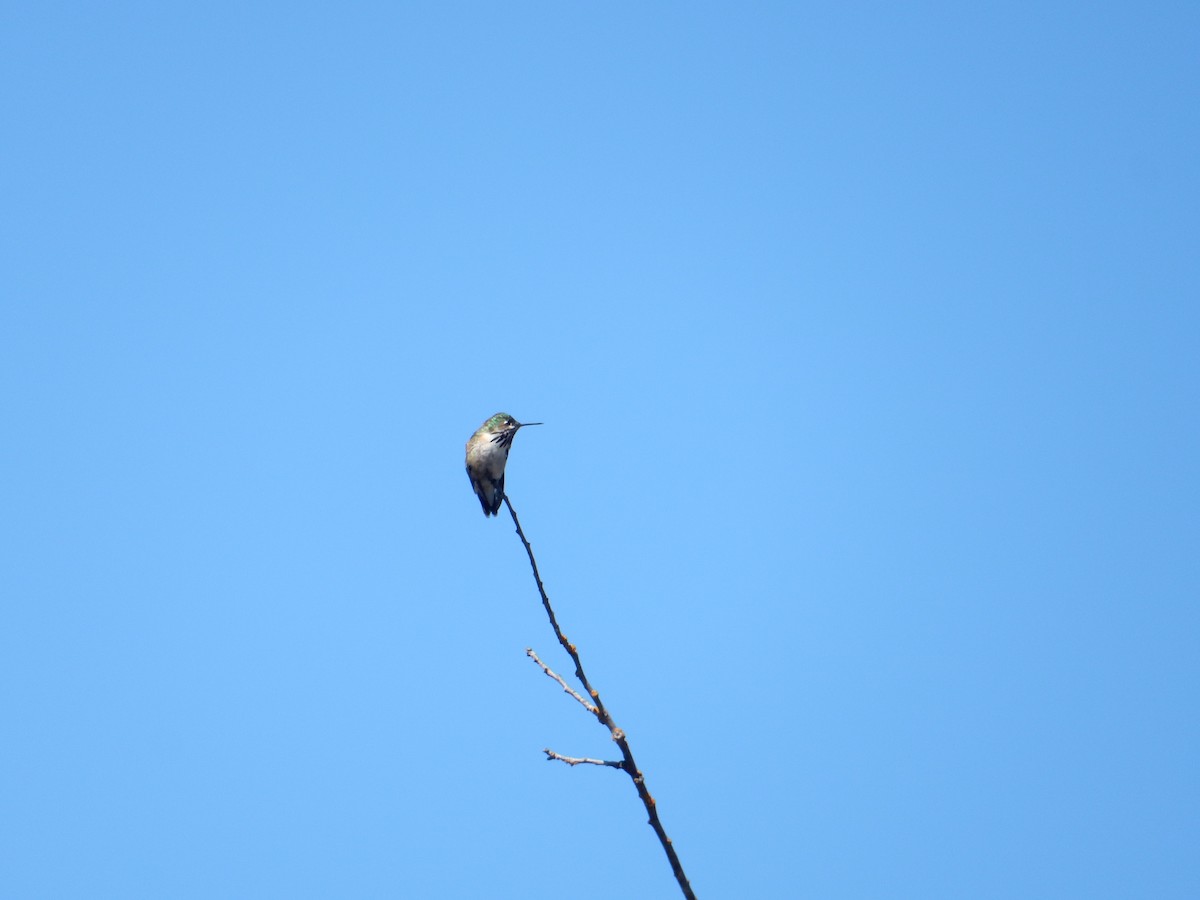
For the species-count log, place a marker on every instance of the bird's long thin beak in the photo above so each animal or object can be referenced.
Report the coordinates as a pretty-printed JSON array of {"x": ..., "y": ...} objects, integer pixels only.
[{"x": 524, "y": 424}]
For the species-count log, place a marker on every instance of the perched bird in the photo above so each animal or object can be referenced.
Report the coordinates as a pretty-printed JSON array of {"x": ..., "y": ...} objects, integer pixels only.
[{"x": 487, "y": 452}]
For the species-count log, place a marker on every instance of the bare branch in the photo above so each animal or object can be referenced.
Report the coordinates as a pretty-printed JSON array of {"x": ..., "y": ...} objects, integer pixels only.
[
  {"x": 566, "y": 687},
  {"x": 602, "y": 715},
  {"x": 578, "y": 760}
]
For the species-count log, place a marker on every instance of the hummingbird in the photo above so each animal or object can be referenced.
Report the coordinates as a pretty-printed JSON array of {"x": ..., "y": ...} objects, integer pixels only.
[{"x": 487, "y": 452}]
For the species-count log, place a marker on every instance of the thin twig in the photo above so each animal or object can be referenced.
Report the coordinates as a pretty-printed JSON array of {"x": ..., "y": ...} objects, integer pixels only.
[
  {"x": 578, "y": 760},
  {"x": 566, "y": 687},
  {"x": 605, "y": 719}
]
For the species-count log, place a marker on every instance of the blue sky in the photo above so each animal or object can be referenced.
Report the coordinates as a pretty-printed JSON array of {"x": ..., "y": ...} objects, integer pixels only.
[{"x": 866, "y": 342}]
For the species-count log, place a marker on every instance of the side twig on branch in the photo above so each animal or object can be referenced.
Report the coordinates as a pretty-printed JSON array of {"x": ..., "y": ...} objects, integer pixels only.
[
  {"x": 566, "y": 687},
  {"x": 598, "y": 709},
  {"x": 578, "y": 760}
]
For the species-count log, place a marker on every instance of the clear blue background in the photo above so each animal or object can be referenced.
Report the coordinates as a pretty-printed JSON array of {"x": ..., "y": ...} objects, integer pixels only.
[{"x": 866, "y": 340}]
